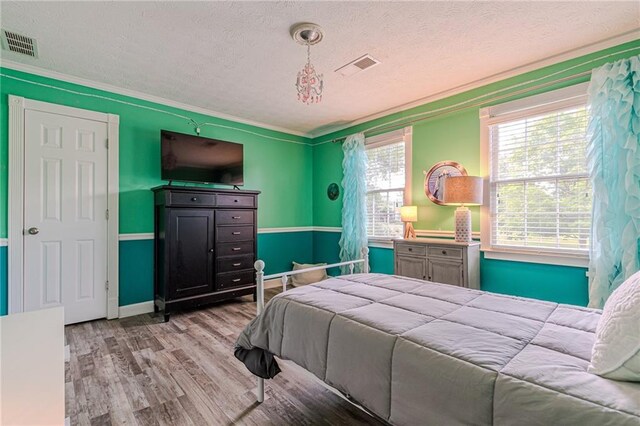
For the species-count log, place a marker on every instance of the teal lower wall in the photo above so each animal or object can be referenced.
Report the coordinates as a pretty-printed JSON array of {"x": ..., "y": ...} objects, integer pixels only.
[
  {"x": 326, "y": 250},
  {"x": 381, "y": 260},
  {"x": 561, "y": 284},
  {"x": 3, "y": 280},
  {"x": 136, "y": 271},
  {"x": 277, "y": 250},
  {"x": 280, "y": 249}
]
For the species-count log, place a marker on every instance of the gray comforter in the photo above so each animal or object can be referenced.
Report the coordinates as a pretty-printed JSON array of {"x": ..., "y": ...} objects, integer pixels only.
[{"x": 415, "y": 352}]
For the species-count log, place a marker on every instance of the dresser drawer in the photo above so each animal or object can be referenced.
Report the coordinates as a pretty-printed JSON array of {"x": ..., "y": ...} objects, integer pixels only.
[
  {"x": 234, "y": 279},
  {"x": 234, "y": 217},
  {"x": 236, "y": 200},
  {"x": 191, "y": 199},
  {"x": 235, "y": 263},
  {"x": 411, "y": 250},
  {"x": 234, "y": 249},
  {"x": 443, "y": 251},
  {"x": 225, "y": 234}
]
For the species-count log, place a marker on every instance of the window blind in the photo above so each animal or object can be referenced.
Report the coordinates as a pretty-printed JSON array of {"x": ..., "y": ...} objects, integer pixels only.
[
  {"x": 540, "y": 190},
  {"x": 385, "y": 188}
]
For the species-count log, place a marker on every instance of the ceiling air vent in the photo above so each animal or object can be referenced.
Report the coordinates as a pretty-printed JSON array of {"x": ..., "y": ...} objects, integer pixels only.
[
  {"x": 362, "y": 63},
  {"x": 18, "y": 43}
]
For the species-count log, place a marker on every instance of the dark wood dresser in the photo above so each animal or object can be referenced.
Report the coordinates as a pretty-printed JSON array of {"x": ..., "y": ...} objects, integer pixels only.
[{"x": 204, "y": 247}]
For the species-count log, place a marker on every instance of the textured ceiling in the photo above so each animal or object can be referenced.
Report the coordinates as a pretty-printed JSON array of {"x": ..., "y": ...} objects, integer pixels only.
[{"x": 238, "y": 58}]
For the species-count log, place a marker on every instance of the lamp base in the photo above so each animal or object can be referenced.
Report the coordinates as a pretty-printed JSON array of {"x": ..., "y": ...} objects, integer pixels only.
[
  {"x": 409, "y": 232},
  {"x": 463, "y": 224}
]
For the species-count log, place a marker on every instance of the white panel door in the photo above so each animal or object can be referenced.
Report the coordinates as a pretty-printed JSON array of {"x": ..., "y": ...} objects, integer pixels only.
[{"x": 65, "y": 196}]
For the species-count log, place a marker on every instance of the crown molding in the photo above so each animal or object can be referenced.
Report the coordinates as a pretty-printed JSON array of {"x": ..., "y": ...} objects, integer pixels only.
[
  {"x": 17, "y": 66},
  {"x": 513, "y": 72}
]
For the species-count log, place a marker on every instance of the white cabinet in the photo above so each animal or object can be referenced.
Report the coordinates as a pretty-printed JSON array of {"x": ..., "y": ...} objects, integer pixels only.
[
  {"x": 438, "y": 260},
  {"x": 413, "y": 267}
]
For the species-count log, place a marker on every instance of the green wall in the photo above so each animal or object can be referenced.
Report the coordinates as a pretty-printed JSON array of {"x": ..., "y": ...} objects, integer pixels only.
[
  {"x": 276, "y": 249},
  {"x": 456, "y": 136},
  {"x": 293, "y": 177},
  {"x": 281, "y": 170},
  {"x": 140, "y": 153}
]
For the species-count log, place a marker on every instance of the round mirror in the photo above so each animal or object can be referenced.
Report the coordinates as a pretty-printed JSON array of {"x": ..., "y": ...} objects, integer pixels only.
[{"x": 434, "y": 178}]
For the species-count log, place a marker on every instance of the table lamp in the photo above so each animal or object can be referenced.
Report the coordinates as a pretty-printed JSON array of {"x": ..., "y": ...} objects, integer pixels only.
[
  {"x": 409, "y": 214},
  {"x": 463, "y": 191}
]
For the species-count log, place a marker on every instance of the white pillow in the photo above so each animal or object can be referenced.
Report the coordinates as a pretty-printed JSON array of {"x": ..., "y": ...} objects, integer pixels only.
[
  {"x": 308, "y": 277},
  {"x": 616, "y": 353}
]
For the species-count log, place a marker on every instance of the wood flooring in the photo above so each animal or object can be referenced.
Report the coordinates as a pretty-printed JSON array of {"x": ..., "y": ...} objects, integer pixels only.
[{"x": 142, "y": 371}]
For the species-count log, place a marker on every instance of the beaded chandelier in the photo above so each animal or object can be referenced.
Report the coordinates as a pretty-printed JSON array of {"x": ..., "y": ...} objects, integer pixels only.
[{"x": 309, "y": 83}]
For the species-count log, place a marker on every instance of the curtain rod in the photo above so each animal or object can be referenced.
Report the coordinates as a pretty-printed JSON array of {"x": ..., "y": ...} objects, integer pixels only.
[
  {"x": 428, "y": 115},
  {"x": 483, "y": 100}
]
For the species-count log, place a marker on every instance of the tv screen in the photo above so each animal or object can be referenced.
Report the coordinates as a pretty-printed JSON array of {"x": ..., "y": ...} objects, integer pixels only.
[{"x": 192, "y": 158}]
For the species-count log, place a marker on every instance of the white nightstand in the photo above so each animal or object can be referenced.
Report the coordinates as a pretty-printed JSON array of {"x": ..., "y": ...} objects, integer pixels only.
[{"x": 438, "y": 260}]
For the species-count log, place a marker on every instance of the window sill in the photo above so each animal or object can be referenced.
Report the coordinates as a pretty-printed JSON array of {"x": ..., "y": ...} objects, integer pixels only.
[
  {"x": 381, "y": 242},
  {"x": 560, "y": 259}
]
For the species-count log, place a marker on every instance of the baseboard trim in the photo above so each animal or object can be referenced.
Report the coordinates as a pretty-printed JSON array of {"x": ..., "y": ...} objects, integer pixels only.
[
  {"x": 136, "y": 309},
  {"x": 274, "y": 283}
]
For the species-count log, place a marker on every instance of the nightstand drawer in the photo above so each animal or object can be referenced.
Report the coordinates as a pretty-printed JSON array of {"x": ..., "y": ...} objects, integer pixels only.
[
  {"x": 234, "y": 249},
  {"x": 235, "y": 263},
  {"x": 190, "y": 199},
  {"x": 411, "y": 250},
  {"x": 442, "y": 251},
  {"x": 226, "y": 234},
  {"x": 234, "y": 279},
  {"x": 234, "y": 217},
  {"x": 236, "y": 201}
]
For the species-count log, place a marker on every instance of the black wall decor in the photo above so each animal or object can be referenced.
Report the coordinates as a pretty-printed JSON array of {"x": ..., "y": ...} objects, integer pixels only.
[{"x": 333, "y": 191}]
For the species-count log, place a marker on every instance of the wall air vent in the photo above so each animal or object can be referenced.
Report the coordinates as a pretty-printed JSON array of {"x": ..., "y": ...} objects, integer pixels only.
[
  {"x": 18, "y": 43},
  {"x": 362, "y": 63}
]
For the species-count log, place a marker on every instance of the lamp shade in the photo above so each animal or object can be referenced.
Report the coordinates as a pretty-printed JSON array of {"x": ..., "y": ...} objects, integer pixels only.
[
  {"x": 463, "y": 190},
  {"x": 409, "y": 213}
]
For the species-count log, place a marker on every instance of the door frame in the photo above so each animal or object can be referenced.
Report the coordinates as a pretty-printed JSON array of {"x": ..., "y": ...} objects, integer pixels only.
[{"x": 17, "y": 107}]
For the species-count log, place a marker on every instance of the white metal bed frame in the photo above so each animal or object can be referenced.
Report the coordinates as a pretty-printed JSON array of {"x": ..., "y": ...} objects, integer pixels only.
[{"x": 284, "y": 276}]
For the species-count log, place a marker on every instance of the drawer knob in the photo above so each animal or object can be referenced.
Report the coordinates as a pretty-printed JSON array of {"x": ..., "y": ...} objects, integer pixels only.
[
  {"x": 237, "y": 264},
  {"x": 444, "y": 252},
  {"x": 194, "y": 198},
  {"x": 236, "y": 249},
  {"x": 235, "y": 233},
  {"x": 236, "y": 280},
  {"x": 235, "y": 201},
  {"x": 210, "y": 250},
  {"x": 235, "y": 217},
  {"x": 410, "y": 249}
]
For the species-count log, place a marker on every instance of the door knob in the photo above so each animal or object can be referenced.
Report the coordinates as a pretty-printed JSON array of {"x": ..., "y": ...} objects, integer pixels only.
[{"x": 33, "y": 231}]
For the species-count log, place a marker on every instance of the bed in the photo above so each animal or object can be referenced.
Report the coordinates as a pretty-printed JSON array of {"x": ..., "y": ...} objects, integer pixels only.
[{"x": 416, "y": 352}]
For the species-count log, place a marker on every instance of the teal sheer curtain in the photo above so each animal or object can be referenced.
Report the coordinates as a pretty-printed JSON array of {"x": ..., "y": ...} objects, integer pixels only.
[
  {"x": 354, "y": 208},
  {"x": 614, "y": 166}
]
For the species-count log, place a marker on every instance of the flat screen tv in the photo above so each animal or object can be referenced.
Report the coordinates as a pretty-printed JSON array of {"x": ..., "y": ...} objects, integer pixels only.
[{"x": 192, "y": 158}]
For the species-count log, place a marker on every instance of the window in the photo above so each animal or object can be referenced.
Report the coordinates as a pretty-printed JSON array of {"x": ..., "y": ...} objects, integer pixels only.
[
  {"x": 387, "y": 182},
  {"x": 539, "y": 196}
]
